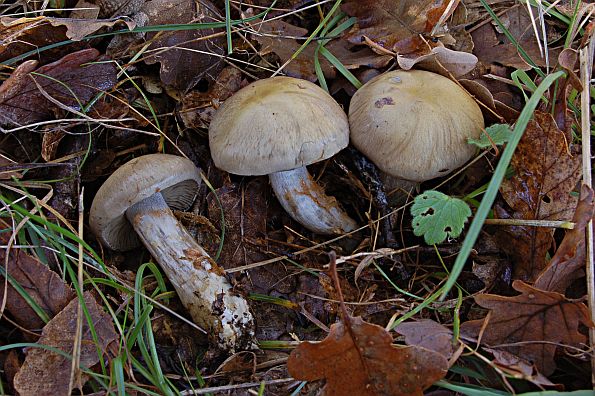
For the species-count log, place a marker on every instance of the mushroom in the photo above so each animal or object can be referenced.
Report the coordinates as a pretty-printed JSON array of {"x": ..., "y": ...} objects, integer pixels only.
[
  {"x": 277, "y": 126},
  {"x": 414, "y": 125},
  {"x": 133, "y": 207}
]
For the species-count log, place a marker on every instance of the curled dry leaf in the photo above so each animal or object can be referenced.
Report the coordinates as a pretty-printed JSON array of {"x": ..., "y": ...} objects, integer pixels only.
[
  {"x": 531, "y": 325},
  {"x": 545, "y": 175},
  {"x": 567, "y": 263},
  {"x": 43, "y": 286},
  {"x": 48, "y": 373},
  {"x": 71, "y": 81},
  {"x": 395, "y": 25},
  {"x": 186, "y": 56},
  {"x": 440, "y": 60}
]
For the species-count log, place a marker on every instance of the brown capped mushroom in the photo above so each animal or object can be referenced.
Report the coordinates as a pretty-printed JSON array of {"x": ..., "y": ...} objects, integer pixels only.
[
  {"x": 277, "y": 126},
  {"x": 133, "y": 207},
  {"x": 414, "y": 125}
]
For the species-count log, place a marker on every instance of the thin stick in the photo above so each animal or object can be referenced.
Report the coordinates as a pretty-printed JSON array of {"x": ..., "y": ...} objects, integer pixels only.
[
  {"x": 569, "y": 225},
  {"x": 586, "y": 63}
]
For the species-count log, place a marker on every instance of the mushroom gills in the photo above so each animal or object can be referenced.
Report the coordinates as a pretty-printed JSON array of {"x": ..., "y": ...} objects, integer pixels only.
[
  {"x": 306, "y": 203},
  {"x": 199, "y": 281}
]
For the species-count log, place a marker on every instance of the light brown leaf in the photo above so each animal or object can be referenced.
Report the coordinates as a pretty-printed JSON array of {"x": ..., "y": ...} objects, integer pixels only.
[
  {"x": 545, "y": 175},
  {"x": 567, "y": 263},
  {"x": 42, "y": 285},
  {"x": 428, "y": 334},
  {"x": 536, "y": 320},
  {"x": 361, "y": 360},
  {"x": 48, "y": 373},
  {"x": 394, "y": 25},
  {"x": 71, "y": 81},
  {"x": 186, "y": 56}
]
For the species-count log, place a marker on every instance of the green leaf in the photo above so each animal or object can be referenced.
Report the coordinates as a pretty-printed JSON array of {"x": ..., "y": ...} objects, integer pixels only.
[
  {"x": 498, "y": 133},
  {"x": 436, "y": 216}
]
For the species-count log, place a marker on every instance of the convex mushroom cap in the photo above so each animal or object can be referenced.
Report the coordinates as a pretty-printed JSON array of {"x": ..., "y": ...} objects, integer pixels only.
[
  {"x": 414, "y": 125},
  {"x": 277, "y": 126},
  {"x": 175, "y": 177}
]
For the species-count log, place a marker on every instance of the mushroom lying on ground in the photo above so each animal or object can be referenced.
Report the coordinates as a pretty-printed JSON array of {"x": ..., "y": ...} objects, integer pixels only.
[
  {"x": 277, "y": 126},
  {"x": 414, "y": 124},
  {"x": 138, "y": 197}
]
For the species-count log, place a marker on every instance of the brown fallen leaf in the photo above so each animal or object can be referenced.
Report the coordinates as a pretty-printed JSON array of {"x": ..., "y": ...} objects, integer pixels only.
[
  {"x": 439, "y": 60},
  {"x": 518, "y": 368},
  {"x": 359, "y": 358},
  {"x": 47, "y": 373},
  {"x": 186, "y": 56},
  {"x": 428, "y": 334},
  {"x": 70, "y": 80},
  {"x": 545, "y": 175},
  {"x": 394, "y": 25},
  {"x": 569, "y": 260},
  {"x": 42, "y": 285},
  {"x": 492, "y": 46},
  {"x": 284, "y": 46},
  {"x": 530, "y": 325}
]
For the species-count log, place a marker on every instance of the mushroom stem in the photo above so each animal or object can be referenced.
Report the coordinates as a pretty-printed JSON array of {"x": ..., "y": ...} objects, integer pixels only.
[
  {"x": 200, "y": 283},
  {"x": 307, "y": 203}
]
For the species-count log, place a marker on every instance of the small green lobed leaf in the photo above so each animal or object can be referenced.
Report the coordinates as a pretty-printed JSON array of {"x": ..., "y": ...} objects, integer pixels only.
[
  {"x": 437, "y": 215},
  {"x": 498, "y": 133}
]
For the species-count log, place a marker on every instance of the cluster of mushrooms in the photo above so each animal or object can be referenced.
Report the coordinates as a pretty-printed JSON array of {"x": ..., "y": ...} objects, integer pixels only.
[{"x": 413, "y": 125}]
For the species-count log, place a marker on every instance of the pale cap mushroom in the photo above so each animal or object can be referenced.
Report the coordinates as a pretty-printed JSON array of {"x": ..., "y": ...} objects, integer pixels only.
[
  {"x": 414, "y": 125},
  {"x": 277, "y": 126},
  {"x": 133, "y": 206}
]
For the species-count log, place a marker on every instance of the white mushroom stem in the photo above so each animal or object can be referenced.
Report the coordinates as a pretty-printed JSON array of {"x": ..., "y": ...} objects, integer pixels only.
[
  {"x": 200, "y": 283},
  {"x": 307, "y": 203}
]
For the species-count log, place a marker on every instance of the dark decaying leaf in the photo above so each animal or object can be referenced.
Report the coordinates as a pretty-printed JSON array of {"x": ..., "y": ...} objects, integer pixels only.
[
  {"x": 428, "y": 334},
  {"x": 531, "y": 324},
  {"x": 186, "y": 56},
  {"x": 361, "y": 360},
  {"x": 71, "y": 81},
  {"x": 394, "y": 25},
  {"x": 41, "y": 284},
  {"x": 276, "y": 36},
  {"x": 569, "y": 260},
  {"x": 48, "y": 373},
  {"x": 492, "y": 46},
  {"x": 518, "y": 368},
  {"x": 545, "y": 175}
]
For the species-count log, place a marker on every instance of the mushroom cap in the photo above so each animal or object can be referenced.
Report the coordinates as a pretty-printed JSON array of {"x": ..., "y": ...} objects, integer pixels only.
[
  {"x": 177, "y": 179},
  {"x": 414, "y": 124},
  {"x": 277, "y": 124}
]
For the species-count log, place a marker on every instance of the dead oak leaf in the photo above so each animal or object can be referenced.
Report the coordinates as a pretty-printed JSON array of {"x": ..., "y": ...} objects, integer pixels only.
[
  {"x": 545, "y": 175},
  {"x": 361, "y": 360},
  {"x": 48, "y": 373},
  {"x": 567, "y": 263},
  {"x": 72, "y": 81},
  {"x": 530, "y": 324},
  {"x": 186, "y": 56},
  {"x": 394, "y": 25},
  {"x": 42, "y": 285},
  {"x": 428, "y": 334}
]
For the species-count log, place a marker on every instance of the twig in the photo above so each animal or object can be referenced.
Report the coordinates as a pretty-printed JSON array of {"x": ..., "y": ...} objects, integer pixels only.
[{"x": 586, "y": 63}]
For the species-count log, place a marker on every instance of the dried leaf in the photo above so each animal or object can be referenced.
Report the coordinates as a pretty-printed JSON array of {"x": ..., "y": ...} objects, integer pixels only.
[
  {"x": 186, "y": 56},
  {"x": 359, "y": 358},
  {"x": 48, "y": 373},
  {"x": 518, "y": 368},
  {"x": 428, "y": 334},
  {"x": 531, "y": 324},
  {"x": 303, "y": 65},
  {"x": 41, "y": 284},
  {"x": 569, "y": 259},
  {"x": 546, "y": 174},
  {"x": 440, "y": 60},
  {"x": 394, "y": 25},
  {"x": 7, "y": 167},
  {"x": 69, "y": 81},
  {"x": 492, "y": 46}
]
